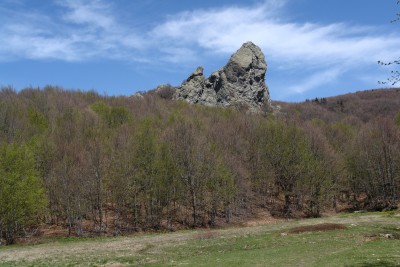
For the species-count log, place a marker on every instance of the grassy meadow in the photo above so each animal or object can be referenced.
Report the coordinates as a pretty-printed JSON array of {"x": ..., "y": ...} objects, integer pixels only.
[{"x": 367, "y": 239}]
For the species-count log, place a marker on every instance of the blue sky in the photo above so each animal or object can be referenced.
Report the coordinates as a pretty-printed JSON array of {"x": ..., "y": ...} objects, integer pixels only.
[{"x": 313, "y": 48}]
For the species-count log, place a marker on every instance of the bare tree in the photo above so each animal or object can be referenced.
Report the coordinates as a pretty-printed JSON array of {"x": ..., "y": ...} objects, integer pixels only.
[
  {"x": 395, "y": 74},
  {"x": 375, "y": 165}
]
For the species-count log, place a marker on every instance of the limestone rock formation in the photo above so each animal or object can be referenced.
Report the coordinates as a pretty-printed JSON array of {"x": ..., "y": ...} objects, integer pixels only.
[{"x": 241, "y": 82}]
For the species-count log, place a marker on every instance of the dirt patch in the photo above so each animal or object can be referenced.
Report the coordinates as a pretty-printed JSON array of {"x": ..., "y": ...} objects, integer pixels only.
[
  {"x": 259, "y": 218},
  {"x": 206, "y": 234},
  {"x": 391, "y": 236},
  {"x": 317, "y": 228},
  {"x": 123, "y": 246}
]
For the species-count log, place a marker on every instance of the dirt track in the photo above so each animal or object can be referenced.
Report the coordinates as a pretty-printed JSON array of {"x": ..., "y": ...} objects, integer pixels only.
[{"x": 136, "y": 244}]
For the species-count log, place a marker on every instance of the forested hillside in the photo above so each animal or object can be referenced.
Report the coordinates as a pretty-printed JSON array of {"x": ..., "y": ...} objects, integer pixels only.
[{"x": 113, "y": 165}]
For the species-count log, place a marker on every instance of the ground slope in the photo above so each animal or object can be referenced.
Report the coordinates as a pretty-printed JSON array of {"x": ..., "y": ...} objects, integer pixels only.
[{"x": 367, "y": 239}]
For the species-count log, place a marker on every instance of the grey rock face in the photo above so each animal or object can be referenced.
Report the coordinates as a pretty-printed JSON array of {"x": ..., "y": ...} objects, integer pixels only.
[{"x": 240, "y": 83}]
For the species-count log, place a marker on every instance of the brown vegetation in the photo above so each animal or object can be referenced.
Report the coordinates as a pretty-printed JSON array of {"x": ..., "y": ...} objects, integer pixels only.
[
  {"x": 115, "y": 165},
  {"x": 317, "y": 228}
]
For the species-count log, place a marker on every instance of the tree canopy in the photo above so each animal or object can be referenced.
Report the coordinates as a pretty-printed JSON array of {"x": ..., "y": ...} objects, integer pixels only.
[{"x": 98, "y": 165}]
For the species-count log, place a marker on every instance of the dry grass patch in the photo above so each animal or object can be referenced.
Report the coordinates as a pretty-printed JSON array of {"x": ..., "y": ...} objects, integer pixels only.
[
  {"x": 317, "y": 228},
  {"x": 206, "y": 234}
]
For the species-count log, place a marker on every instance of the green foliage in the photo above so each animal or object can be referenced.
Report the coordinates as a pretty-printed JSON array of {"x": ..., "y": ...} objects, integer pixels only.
[
  {"x": 101, "y": 108},
  {"x": 145, "y": 182},
  {"x": 112, "y": 116},
  {"x": 37, "y": 119},
  {"x": 397, "y": 119},
  {"x": 22, "y": 198},
  {"x": 118, "y": 116}
]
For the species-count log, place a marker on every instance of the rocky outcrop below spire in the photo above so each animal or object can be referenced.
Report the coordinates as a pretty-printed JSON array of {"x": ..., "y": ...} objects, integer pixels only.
[{"x": 240, "y": 83}]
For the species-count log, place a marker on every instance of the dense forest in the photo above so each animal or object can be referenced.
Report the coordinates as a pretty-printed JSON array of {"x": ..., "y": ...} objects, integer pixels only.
[{"x": 95, "y": 164}]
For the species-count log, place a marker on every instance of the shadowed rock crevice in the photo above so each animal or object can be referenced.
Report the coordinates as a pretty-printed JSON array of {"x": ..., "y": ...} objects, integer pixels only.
[{"x": 240, "y": 82}]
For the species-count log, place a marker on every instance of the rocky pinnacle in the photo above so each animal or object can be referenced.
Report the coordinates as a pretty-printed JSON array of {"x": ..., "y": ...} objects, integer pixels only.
[{"x": 240, "y": 83}]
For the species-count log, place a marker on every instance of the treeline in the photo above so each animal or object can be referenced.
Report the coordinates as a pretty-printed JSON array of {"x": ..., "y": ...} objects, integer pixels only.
[{"x": 114, "y": 165}]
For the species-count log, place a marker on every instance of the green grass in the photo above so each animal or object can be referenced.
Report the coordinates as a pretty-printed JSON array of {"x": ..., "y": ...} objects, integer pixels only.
[{"x": 360, "y": 244}]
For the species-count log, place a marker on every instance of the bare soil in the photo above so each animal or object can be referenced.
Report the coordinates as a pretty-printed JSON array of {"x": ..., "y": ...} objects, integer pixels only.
[{"x": 317, "y": 228}]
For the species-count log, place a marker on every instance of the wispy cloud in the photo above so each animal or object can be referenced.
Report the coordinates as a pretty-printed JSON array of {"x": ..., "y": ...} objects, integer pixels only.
[
  {"x": 220, "y": 30},
  {"x": 224, "y": 30},
  {"x": 317, "y": 79},
  {"x": 91, "y": 13},
  {"x": 329, "y": 50},
  {"x": 86, "y": 30}
]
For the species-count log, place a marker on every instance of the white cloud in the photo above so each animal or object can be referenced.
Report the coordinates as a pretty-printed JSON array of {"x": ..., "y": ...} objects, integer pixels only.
[
  {"x": 92, "y": 13},
  {"x": 225, "y": 30},
  {"x": 30, "y": 41},
  {"x": 328, "y": 50},
  {"x": 316, "y": 80},
  {"x": 91, "y": 28},
  {"x": 178, "y": 54},
  {"x": 87, "y": 30},
  {"x": 215, "y": 29}
]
